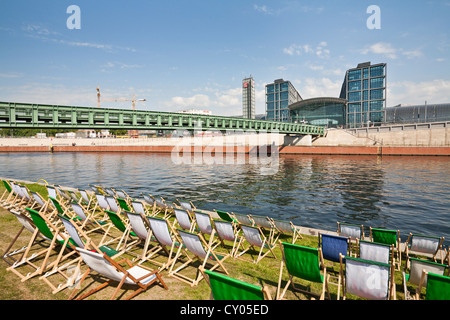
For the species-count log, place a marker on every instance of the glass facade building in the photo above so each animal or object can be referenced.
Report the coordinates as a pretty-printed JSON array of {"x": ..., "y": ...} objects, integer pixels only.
[
  {"x": 364, "y": 88},
  {"x": 328, "y": 112},
  {"x": 279, "y": 95},
  {"x": 248, "y": 98},
  {"x": 418, "y": 113}
]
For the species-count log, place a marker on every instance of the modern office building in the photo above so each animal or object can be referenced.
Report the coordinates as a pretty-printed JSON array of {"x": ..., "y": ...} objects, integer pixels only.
[
  {"x": 325, "y": 111},
  {"x": 364, "y": 88},
  {"x": 248, "y": 98},
  {"x": 279, "y": 95}
]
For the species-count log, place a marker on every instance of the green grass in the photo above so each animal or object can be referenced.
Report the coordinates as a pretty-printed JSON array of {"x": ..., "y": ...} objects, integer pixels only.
[{"x": 266, "y": 271}]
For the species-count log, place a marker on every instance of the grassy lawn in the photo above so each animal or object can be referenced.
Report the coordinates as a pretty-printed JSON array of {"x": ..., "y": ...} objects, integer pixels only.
[{"x": 266, "y": 271}]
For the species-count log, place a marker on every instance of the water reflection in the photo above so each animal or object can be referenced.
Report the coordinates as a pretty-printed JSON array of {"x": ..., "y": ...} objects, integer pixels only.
[{"x": 408, "y": 193}]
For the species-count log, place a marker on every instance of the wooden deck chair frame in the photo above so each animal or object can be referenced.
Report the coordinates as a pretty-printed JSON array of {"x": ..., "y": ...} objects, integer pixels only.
[
  {"x": 226, "y": 231},
  {"x": 139, "y": 207},
  {"x": 226, "y": 288},
  {"x": 305, "y": 263},
  {"x": 387, "y": 236},
  {"x": 424, "y": 245},
  {"x": 139, "y": 276},
  {"x": 40, "y": 201},
  {"x": 202, "y": 252},
  {"x": 373, "y": 280},
  {"x": 254, "y": 237},
  {"x": 88, "y": 220},
  {"x": 437, "y": 286},
  {"x": 8, "y": 193},
  {"x": 414, "y": 277},
  {"x": 243, "y": 219},
  {"x": 287, "y": 227},
  {"x": 128, "y": 238},
  {"x": 265, "y": 224}
]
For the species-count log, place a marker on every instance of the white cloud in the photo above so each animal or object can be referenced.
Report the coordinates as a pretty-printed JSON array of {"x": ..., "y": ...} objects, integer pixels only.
[
  {"x": 320, "y": 50},
  {"x": 318, "y": 87},
  {"x": 409, "y": 92},
  {"x": 387, "y": 50}
]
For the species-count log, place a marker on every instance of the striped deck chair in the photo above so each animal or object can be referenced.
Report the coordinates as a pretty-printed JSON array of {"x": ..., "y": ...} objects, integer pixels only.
[
  {"x": 306, "y": 264},
  {"x": 367, "y": 279},
  {"x": 424, "y": 245},
  {"x": 412, "y": 275},
  {"x": 437, "y": 286},
  {"x": 226, "y": 288},
  {"x": 255, "y": 238},
  {"x": 138, "y": 276},
  {"x": 203, "y": 253}
]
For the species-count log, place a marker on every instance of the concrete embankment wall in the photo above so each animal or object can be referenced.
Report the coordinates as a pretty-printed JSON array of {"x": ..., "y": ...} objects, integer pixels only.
[{"x": 408, "y": 140}]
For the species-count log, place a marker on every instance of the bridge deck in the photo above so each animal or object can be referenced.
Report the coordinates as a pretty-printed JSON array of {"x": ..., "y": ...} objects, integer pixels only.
[{"x": 38, "y": 116}]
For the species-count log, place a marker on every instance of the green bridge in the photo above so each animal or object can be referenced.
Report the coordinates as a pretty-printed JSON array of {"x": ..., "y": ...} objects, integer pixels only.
[{"x": 39, "y": 116}]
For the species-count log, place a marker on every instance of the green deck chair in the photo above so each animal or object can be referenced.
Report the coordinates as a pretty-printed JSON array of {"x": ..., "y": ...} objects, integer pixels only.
[
  {"x": 438, "y": 286},
  {"x": 226, "y": 216},
  {"x": 390, "y": 237},
  {"x": 124, "y": 243},
  {"x": 123, "y": 204},
  {"x": 304, "y": 263},
  {"x": 7, "y": 194},
  {"x": 227, "y": 288}
]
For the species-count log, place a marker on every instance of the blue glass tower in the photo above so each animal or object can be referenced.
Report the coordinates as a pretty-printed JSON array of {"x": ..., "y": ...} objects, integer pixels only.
[{"x": 279, "y": 95}]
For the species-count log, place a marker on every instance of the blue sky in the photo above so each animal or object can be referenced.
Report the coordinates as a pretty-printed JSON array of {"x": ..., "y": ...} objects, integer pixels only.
[{"x": 194, "y": 54}]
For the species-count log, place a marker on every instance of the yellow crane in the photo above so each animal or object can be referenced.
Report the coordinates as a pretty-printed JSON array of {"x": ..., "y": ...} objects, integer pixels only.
[{"x": 133, "y": 100}]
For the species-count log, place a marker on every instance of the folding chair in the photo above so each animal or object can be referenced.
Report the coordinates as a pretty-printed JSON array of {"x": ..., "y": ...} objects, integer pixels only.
[
  {"x": 226, "y": 231},
  {"x": 265, "y": 224},
  {"x": 165, "y": 239},
  {"x": 196, "y": 245},
  {"x": 255, "y": 238},
  {"x": 62, "y": 193},
  {"x": 226, "y": 216},
  {"x": 367, "y": 279},
  {"x": 332, "y": 246},
  {"x": 188, "y": 206},
  {"x": 424, "y": 245},
  {"x": 139, "y": 207},
  {"x": 287, "y": 228},
  {"x": 354, "y": 232},
  {"x": 125, "y": 242},
  {"x": 139, "y": 276},
  {"x": 7, "y": 194},
  {"x": 437, "y": 286},
  {"x": 112, "y": 203},
  {"x": 243, "y": 219},
  {"x": 88, "y": 220},
  {"x": 227, "y": 288},
  {"x": 304, "y": 263},
  {"x": 378, "y": 252},
  {"x": 204, "y": 224},
  {"x": 184, "y": 220},
  {"x": 123, "y": 204},
  {"x": 414, "y": 277},
  {"x": 390, "y": 237},
  {"x": 43, "y": 204}
]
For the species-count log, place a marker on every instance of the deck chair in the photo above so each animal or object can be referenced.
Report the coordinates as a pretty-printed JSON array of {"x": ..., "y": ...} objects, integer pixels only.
[
  {"x": 354, "y": 232},
  {"x": 40, "y": 201},
  {"x": 255, "y": 238},
  {"x": 101, "y": 201},
  {"x": 378, "y": 252},
  {"x": 424, "y": 245},
  {"x": 437, "y": 286},
  {"x": 121, "y": 194},
  {"x": 367, "y": 279},
  {"x": 85, "y": 198},
  {"x": 112, "y": 203},
  {"x": 123, "y": 204},
  {"x": 243, "y": 219},
  {"x": 62, "y": 193},
  {"x": 141, "y": 227},
  {"x": 139, "y": 276},
  {"x": 7, "y": 194},
  {"x": 204, "y": 224},
  {"x": 287, "y": 228},
  {"x": 128, "y": 238},
  {"x": 203, "y": 253},
  {"x": 27, "y": 224},
  {"x": 389, "y": 237},
  {"x": 184, "y": 220},
  {"x": 226, "y": 216},
  {"x": 226, "y": 231},
  {"x": 414, "y": 276},
  {"x": 167, "y": 242},
  {"x": 226, "y": 288},
  {"x": 188, "y": 206},
  {"x": 265, "y": 224},
  {"x": 304, "y": 263},
  {"x": 88, "y": 220},
  {"x": 60, "y": 244},
  {"x": 139, "y": 207}
]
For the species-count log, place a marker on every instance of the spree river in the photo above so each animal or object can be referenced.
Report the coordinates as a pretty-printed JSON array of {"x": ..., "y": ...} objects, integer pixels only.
[{"x": 411, "y": 194}]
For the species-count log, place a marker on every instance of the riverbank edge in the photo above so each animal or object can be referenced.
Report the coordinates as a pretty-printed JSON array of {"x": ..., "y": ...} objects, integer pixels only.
[{"x": 306, "y": 150}]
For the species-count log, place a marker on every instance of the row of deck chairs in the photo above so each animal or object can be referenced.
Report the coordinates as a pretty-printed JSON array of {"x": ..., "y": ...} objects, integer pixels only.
[{"x": 84, "y": 240}]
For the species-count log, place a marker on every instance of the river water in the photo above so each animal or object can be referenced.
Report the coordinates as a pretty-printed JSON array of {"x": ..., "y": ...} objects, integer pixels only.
[{"x": 411, "y": 194}]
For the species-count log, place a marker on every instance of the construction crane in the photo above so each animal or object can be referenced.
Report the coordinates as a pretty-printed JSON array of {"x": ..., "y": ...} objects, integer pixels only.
[{"x": 133, "y": 100}]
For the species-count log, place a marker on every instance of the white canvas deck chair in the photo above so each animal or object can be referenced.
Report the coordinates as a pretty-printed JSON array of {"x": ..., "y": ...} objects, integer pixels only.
[
  {"x": 113, "y": 205},
  {"x": 88, "y": 220},
  {"x": 287, "y": 228},
  {"x": 40, "y": 201},
  {"x": 265, "y": 224},
  {"x": 188, "y": 206},
  {"x": 425, "y": 246},
  {"x": 413, "y": 278},
  {"x": 354, "y": 232},
  {"x": 367, "y": 279},
  {"x": 167, "y": 241},
  {"x": 243, "y": 219},
  {"x": 203, "y": 253},
  {"x": 377, "y": 252},
  {"x": 139, "y": 207},
  {"x": 389, "y": 237},
  {"x": 255, "y": 238},
  {"x": 137, "y": 276},
  {"x": 27, "y": 224},
  {"x": 204, "y": 224},
  {"x": 226, "y": 231},
  {"x": 184, "y": 220},
  {"x": 141, "y": 228},
  {"x": 86, "y": 200},
  {"x": 62, "y": 193}
]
